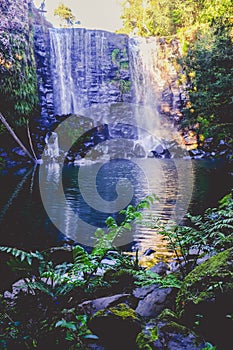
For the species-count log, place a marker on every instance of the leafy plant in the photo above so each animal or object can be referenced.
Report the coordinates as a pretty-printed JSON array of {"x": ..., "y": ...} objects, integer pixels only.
[
  {"x": 115, "y": 55},
  {"x": 18, "y": 78},
  {"x": 209, "y": 82},
  {"x": 209, "y": 233},
  {"x": 76, "y": 331},
  {"x": 52, "y": 291},
  {"x": 147, "y": 278},
  {"x": 209, "y": 346},
  {"x": 147, "y": 337}
]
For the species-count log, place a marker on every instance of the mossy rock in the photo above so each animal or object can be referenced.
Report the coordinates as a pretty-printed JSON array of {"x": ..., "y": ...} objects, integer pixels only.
[
  {"x": 205, "y": 300},
  {"x": 207, "y": 281},
  {"x": 122, "y": 311},
  {"x": 116, "y": 327},
  {"x": 146, "y": 338},
  {"x": 169, "y": 335}
]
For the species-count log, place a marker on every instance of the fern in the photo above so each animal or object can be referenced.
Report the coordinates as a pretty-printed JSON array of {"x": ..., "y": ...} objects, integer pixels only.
[
  {"x": 21, "y": 254},
  {"x": 211, "y": 233},
  {"x": 147, "y": 278},
  {"x": 35, "y": 286}
]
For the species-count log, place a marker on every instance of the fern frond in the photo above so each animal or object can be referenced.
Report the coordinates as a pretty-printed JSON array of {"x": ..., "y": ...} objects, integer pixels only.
[
  {"x": 19, "y": 254},
  {"x": 37, "y": 286}
]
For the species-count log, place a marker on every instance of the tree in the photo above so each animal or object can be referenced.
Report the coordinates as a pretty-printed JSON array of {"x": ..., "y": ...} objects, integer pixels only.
[
  {"x": 65, "y": 14},
  {"x": 169, "y": 17},
  {"x": 209, "y": 70},
  {"x": 147, "y": 17}
]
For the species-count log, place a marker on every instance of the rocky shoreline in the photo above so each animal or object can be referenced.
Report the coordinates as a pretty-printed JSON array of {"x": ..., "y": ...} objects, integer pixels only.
[{"x": 12, "y": 156}]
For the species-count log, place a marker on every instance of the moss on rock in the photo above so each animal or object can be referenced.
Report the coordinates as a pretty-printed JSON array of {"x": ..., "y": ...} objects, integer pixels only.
[
  {"x": 117, "y": 326},
  {"x": 208, "y": 280},
  {"x": 145, "y": 339},
  {"x": 170, "y": 335},
  {"x": 205, "y": 301},
  {"x": 174, "y": 327},
  {"x": 122, "y": 311}
]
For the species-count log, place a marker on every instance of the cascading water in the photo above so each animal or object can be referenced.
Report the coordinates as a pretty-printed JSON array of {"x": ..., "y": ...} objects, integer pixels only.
[
  {"x": 65, "y": 94},
  {"x": 87, "y": 67},
  {"x": 148, "y": 84},
  {"x": 92, "y": 67},
  {"x": 145, "y": 74},
  {"x": 52, "y": 147},
  {"x": 146, "y": 78}
]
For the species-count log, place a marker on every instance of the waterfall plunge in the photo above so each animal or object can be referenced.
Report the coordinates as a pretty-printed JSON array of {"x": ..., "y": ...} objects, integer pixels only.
[{"x": 65, "y": 99}]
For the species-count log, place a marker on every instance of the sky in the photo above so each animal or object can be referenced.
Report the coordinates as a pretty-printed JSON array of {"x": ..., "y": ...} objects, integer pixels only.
[{"x": 93, "y": 14}]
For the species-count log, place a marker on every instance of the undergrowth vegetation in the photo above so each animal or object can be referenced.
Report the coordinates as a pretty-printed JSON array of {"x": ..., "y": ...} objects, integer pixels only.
[{"x": 44, "y": 306}]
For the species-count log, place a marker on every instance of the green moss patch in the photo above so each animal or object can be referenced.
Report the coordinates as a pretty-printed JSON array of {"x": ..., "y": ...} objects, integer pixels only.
[{"x": 207, "y": 281}]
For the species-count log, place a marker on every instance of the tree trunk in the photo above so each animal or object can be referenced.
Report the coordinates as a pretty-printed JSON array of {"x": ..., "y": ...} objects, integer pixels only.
[
  {"x": 15, "y": 137},
  {"x": 30, "y": 142}
]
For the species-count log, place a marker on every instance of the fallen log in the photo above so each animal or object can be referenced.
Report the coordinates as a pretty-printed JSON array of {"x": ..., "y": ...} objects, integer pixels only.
[{"x": 15, "y": 137}]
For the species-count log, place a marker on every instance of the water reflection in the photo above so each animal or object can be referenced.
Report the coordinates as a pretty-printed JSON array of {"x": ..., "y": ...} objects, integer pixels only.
[
  {"x": 81, "y": 205},
  {"x": 25, "y": 224}
]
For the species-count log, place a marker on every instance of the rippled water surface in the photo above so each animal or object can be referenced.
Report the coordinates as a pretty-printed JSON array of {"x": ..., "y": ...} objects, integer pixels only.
[{"x": 80, "y": 198}]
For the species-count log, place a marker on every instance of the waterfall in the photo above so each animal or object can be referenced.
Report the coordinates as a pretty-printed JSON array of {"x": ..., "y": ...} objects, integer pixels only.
[
  {"x": 93, "y": 67},
  {"x": 117, "y": 82},
  {"x": 65, "y": 100},
  {"x": 87, "y": 67},
  {"x": 52, "y": 147},
  {"x": 146, "y": 76},
  {"x": 148, "y": 85}
]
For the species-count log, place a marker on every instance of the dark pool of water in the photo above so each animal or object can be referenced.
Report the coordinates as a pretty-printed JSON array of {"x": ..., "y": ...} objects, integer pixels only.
[{"x": 25, "y": 223}]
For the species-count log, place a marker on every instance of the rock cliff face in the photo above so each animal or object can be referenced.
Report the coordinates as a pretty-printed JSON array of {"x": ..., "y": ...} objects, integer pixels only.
[
  {"x": 78, "y": 68},
  {"x": 42, "y": 55}
]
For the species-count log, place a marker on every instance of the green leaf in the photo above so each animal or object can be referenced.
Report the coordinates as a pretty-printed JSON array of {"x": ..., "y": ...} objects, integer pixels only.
[
  {"x": 64, "y": 324},
  {"x": 127, "y": 226},
  {"x": 110, "y": 222}
]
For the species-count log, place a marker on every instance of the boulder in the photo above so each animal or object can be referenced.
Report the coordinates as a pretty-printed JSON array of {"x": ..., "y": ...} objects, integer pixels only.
[
  {"x": 90, "y": 307},
  {"x": 124, "y": 281},
  {"x": 95, "y": 347},
  {"x": 117, "y": 327},
  {"x": 167, "y": 333},
  {"x": 161, "y": 268},
  {"x": 205, "y": 300},
  {"x": 155, "y": 301}
]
